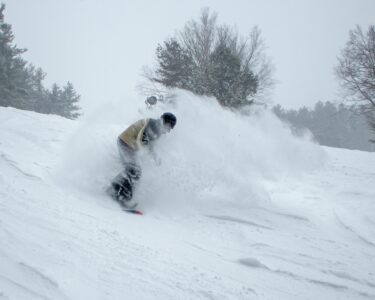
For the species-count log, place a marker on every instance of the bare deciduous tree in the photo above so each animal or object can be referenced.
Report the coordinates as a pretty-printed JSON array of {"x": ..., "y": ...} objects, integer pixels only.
[{"x": 356, "y": 71}]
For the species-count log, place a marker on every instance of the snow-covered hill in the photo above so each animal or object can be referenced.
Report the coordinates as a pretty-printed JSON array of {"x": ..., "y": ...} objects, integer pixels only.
[{"x": 239, "y": 209}]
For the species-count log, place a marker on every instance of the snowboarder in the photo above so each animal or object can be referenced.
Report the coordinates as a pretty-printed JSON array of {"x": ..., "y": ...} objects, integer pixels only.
[{"x": 139, "y": 135}]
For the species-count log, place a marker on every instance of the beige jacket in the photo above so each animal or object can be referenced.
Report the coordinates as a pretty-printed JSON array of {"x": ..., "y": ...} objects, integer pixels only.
[{"x": 132, "y": 136}]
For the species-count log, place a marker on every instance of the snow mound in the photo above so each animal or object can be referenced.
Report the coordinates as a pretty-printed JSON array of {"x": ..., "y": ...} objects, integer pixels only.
[{"x": 239, "y": 209}]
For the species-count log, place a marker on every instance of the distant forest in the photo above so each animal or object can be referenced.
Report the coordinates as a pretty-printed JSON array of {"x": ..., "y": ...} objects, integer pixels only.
[
  {"x": 21, "y": 83},
  {"x": 331, "y": 125}
]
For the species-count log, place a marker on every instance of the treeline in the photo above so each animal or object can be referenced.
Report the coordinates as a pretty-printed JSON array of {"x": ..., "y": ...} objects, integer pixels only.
[
  {"x": 21, "y": 83},
  {"x": 331, "y": 125}
]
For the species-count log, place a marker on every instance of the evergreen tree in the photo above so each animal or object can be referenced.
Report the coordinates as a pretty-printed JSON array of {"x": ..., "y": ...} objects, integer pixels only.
[
  {"x": 224, "y": 70},
  {"x": 69, "y": 102},
  {"x": 13, "y": 74},
  {"x": 175, "y": 65},
  {"x": 227, "y": 81},
  {"x": 21, "y": 84},
  {"x": 37, "y": 94},
  {"x": 54, "y": 96}
]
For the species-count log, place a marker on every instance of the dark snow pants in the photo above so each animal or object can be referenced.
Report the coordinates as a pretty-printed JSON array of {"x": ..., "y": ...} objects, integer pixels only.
[{"x": 124, "y": 183}]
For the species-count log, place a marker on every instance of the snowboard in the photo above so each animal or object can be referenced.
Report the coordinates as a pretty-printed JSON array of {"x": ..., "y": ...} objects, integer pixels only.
[{"x": 133, "y": 211}]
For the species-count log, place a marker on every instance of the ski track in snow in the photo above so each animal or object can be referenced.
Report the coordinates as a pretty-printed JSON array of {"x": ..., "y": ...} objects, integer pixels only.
[{"x": 314, "y": 239}]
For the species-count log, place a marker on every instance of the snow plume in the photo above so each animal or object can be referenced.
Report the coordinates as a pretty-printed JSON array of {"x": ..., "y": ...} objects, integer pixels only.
[
  {"x": 212, "y": 154},
  {"x": 90, "y": 155}
]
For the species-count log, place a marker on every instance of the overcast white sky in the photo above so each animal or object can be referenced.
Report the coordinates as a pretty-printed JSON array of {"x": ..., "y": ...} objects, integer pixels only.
[{"x": 101, "y": 46}]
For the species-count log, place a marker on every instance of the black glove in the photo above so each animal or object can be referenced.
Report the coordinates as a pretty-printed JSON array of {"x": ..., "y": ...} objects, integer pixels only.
[{"x": 145, "y": 139}]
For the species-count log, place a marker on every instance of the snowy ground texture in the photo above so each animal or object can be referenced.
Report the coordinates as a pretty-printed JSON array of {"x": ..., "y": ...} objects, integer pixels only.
[{"x": 239, "y": 209}]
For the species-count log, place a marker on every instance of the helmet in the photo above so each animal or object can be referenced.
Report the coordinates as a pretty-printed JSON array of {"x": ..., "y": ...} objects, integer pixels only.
[{"x": 169, "y": 118}]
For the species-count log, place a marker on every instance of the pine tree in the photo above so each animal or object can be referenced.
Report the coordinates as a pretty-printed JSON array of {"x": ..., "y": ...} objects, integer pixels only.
[
  {"x": 53, "y": 105},
  {"x": 13, "y": 74},
  {"x": 175, "y": 65},
  {"x": 69, "y": 102},
  {"x": 224, "y": 69},
  {"x": 21, "y": 84}
]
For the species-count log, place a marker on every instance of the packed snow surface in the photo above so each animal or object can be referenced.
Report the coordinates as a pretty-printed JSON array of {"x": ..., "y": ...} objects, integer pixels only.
[{"x": 238, "y": 209}]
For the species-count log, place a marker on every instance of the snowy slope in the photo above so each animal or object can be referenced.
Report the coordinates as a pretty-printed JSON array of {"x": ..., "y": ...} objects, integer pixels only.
[{"x": 239, "y": 209}]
